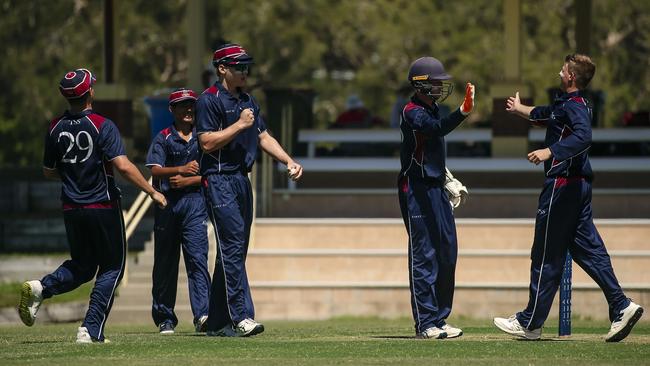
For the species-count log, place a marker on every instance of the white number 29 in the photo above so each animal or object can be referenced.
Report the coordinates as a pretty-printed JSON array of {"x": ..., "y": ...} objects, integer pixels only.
[{"x": 76, "y": 141}]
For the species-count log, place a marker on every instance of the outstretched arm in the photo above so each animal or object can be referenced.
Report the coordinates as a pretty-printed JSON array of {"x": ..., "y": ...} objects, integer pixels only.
[
  {"x": 131, "y": 173},
  {"x": 513, "y": 105},
  {"x": 272, "y": 147}
]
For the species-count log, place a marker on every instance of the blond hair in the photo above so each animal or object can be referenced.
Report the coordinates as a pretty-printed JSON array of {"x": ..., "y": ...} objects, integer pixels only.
[{"x": 582, "y": 67}]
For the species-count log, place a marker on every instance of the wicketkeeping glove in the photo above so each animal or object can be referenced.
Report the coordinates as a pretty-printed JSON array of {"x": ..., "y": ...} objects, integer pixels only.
[
  {"x": 468, "y": 102},
  {"x": 456, "y": 191}
]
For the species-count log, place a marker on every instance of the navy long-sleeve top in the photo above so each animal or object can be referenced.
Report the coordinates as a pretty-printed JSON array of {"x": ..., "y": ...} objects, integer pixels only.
[
  {"x": 423, "y": 150},
  {"x": 568, "y": 135}
]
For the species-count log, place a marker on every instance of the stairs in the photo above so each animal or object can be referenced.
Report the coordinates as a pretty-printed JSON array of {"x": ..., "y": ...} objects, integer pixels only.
[{"x": 320, "y": 268}]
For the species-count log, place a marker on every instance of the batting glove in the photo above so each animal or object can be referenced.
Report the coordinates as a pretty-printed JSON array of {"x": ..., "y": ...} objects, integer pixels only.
[
  {"x": 456, "y": 191},
  {"x": 468, "y": 102}
]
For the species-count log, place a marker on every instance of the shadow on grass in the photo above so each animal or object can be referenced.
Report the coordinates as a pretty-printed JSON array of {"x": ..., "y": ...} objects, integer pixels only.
[
  {"x": 198, "y": 335},
  {"x": 41, "y": 342}
]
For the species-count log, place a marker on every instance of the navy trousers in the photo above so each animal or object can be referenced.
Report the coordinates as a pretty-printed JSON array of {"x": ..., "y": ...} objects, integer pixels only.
[
  {"x": 229, "y": 198},
  {"x": 433, "y": 250},
  {"x": 97, "y": 246},
  {"x": 565, "y": 222},
  {"x": 182, "y": 224}
]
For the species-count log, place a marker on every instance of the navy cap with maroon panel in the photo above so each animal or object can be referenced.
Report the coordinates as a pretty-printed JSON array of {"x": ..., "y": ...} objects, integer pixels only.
[
  {"x": 182, "y": 94},
  {"x": 75, "y": 84},
  {"x": 231, "y": 54}
]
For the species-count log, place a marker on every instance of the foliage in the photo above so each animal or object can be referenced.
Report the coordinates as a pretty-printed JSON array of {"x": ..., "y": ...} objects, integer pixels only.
[
  {"x": 336, "y": 47},
  {"x": 619, "y": 43}
]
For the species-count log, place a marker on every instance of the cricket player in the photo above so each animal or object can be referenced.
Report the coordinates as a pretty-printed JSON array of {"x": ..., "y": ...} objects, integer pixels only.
[
  {"x": 424, "y": 202},
  {"x": 81, "y": 149},
  {"x": 230, "y": 128},
  {"x": 564, "y": 217},
  {"x": 172, "y": 157}
]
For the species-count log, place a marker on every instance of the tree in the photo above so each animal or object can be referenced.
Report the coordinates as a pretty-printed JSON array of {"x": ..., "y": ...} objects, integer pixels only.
[{"x": 336, "y": 47}]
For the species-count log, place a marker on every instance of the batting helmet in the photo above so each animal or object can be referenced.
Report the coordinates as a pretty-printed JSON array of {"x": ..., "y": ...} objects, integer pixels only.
[{"x": 428, "y": 76}]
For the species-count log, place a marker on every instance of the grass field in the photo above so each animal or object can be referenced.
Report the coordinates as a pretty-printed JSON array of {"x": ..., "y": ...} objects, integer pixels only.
[{"x": 350, "y": 341}]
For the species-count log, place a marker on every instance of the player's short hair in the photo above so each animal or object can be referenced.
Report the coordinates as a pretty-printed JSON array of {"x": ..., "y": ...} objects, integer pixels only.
[
  {"x": 582, "y": 67},
  {"x": 79, "y": 102}
]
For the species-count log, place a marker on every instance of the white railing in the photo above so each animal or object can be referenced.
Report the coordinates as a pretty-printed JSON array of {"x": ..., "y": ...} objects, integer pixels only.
[{"x": 313, "y": 137}]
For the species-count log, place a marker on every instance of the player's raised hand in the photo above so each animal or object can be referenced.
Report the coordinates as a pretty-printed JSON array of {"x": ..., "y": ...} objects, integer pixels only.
[
  {"x": 468, "y": 101},
  {"x": 246, "y": 118},
  {"x": 191, "y": 168},
  {"x": 159, "y": 198},
  {"x": 295, "y": 170},
  {"x": 513, "y": 103}
]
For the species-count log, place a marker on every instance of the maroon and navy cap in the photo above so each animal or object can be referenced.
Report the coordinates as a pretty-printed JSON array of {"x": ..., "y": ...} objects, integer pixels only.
[
  {"x": 231, "y": 54},
  {"x": 76, "y": 83},
  {"x": 182, "y": 94}
]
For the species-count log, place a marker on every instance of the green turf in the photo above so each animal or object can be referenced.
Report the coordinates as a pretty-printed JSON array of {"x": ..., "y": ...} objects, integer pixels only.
[
  {"x": 342, "y": 341},
  {"x": 10, "y": 294}
]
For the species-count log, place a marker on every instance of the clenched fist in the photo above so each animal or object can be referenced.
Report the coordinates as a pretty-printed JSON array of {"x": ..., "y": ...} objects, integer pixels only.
[
  {"x": 246, "y": 118},
  {"x": 294, "y": 170}
]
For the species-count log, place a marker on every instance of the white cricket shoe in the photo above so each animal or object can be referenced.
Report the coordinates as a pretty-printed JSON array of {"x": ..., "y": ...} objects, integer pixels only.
[
  {"x": 452, "y": 332},
  {"x": 248, "y": 327},
  {"x": 83, "y": 337},
  {"x": 31, "y": 296},
  {"x": 432, "y": 333},
  {"x": 511, "y": 326},
  {"x": 624, "y": 323}
]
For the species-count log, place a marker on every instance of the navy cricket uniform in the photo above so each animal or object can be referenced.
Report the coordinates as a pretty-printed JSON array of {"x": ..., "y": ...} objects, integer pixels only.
[
  {"x": 427, "y": 213},
  {"x": 181, "y": 224},
  {"x": 229, "y": 198},
  {"x": 564, "y": 216},
  {"x": 81, "y": 147}
]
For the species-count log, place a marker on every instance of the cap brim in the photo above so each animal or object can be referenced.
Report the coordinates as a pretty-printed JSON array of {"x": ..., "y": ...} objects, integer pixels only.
[
  {"x": 243, "y": 60},
  {"x": 181, "y": 99}
]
